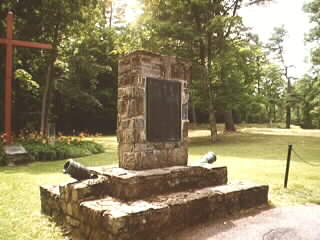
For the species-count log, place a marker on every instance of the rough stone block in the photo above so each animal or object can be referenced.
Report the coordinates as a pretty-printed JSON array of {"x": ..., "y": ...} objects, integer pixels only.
[{"x": 254, "y": 197}]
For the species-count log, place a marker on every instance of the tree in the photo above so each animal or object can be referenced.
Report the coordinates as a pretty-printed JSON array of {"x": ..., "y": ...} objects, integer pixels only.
[
  {"x": 272, "y": 86},
  {"x": 202, "y": 31},
  {"x": 308, "y": 86},
  {"x": 276, "y": 46},
  {"x": 314, "y": 35}
]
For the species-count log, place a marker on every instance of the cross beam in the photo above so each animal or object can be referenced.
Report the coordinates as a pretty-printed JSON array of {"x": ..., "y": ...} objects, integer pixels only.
[{"x": 10, "y": 43}]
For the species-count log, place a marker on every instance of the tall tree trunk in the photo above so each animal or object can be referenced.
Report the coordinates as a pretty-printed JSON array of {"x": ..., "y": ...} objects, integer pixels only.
[
  {"x": 307, "y": 119},
  {"x": 269, "y": 113},
  {"x": 208, "y": 68},
  {"x": 228, "y": 116},
  {"x": 298, "y": 115},
  {"x": 288, "y": 117},
  {"x": 111, "y": 15},
  {"x": 191, "y": 104},
  {"x": 212, "y": 115},
  {"x": 274, "y": 113},
  {"x": 288, "y": 107},
  {"x": 228, "y": 120},
  {"x": 46, "y": 99}
]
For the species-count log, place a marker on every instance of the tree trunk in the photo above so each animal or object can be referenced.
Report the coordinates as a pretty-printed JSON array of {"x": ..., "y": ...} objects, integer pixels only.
[
  {"x": 298, "y": 115},
  {"x": 307, "y": 119},
  {"x": 288, "y": 116},
  {"x": 228, "y": 120},
  {"x": 228, "y": 116},
  {"x": 46, "y": 99},
  {"x": 111, "y": 15},
  {"x": 288, "y": 107},
  {"x": 212, "y": 115},
  {"x": 269, "y": 113},
  {"x": 274, "y": 113},
  {"x": 193, "y": 111}
]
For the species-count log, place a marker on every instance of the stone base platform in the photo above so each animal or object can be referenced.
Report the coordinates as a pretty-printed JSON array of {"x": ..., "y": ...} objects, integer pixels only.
[
  {"x": 110, "y": 206},
  {"x": 155, "y": 217},
  {"x": 129, "y": 184}
]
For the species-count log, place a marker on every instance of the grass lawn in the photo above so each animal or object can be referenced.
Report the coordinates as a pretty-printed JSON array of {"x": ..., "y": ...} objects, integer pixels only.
[{"x": 255, "y": 154}]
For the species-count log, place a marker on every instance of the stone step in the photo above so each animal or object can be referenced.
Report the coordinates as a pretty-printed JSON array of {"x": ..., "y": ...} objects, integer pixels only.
[
  {"x": 156, "y": 217},
  {"x": 130, "y": 185}
]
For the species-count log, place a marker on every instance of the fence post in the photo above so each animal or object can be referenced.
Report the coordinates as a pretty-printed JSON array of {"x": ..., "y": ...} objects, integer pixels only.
[{"x": 288, "y": 166}]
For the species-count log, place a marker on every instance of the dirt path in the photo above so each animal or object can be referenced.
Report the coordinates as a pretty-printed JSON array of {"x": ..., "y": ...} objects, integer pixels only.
[{"x": 291, "y": 223}]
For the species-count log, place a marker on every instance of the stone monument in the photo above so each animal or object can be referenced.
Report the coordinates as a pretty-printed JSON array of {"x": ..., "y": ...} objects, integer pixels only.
[
  {"x": 152, "y": 111},
  {"x": 153, "y": 192}
]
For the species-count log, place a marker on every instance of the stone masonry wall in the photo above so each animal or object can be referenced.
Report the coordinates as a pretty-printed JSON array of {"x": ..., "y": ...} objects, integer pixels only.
[{"x": 134, "y": 151}]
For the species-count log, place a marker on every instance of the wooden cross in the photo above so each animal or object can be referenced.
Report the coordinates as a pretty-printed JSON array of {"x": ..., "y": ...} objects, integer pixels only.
[{"x": 10, "y": 43}]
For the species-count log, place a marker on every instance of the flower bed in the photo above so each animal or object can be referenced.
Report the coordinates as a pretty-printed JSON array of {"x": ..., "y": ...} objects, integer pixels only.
[{"x": 63, "y": 148}]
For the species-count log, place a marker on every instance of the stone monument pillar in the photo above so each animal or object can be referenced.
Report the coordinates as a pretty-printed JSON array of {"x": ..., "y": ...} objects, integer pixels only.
[{"x": 152, "y": 111}]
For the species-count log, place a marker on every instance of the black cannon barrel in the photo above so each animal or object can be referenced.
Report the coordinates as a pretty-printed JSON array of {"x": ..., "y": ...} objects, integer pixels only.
[{"x": 77, "y": 171}]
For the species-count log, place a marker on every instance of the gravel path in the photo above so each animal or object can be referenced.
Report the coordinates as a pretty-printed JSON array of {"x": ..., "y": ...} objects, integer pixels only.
[{"x": 291, "y": 223}]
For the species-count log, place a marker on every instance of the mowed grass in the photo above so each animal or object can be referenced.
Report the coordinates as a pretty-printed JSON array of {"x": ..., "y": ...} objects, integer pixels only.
[{"x": 252, "y": 154}]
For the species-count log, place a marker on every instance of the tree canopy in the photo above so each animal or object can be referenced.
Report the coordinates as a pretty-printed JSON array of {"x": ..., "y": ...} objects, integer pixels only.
[{"x": 236, "y": 77}]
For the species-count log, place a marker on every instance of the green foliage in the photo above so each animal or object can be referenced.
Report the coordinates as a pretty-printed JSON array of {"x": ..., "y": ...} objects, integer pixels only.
[
  {"x": 26, "y": 82},
  {"x": 271, "y": 89},
  {"x": 308, "y": 87},
  {"x": 85, "y": 71},
  {"x": 312, "y": 7},
  {"x": 276, "y": 43}
]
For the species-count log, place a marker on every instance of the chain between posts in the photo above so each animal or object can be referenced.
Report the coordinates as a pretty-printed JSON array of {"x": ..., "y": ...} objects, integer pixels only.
[
  {"x": 290, "y": 149},
  {"x": 306, "y": 162}
]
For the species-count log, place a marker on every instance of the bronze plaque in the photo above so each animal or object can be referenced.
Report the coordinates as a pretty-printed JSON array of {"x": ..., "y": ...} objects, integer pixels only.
[{"x": 163, "y": 110}]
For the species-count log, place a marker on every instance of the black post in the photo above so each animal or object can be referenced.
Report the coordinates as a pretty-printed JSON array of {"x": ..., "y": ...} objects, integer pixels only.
[{"x": 288, "y": 166}]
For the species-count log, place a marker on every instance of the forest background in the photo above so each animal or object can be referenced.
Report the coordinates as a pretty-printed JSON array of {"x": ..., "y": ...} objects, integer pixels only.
[{"x": 236, "y": 77}]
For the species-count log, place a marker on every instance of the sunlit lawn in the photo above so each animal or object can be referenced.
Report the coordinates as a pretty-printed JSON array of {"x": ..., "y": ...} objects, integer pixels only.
[{"x": 253, "y": 154}]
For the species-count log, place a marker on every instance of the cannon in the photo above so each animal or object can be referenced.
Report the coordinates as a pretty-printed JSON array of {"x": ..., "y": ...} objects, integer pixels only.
[
  {"x": 209, "y": 157},
  {"x": 77, "y": 171}
]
